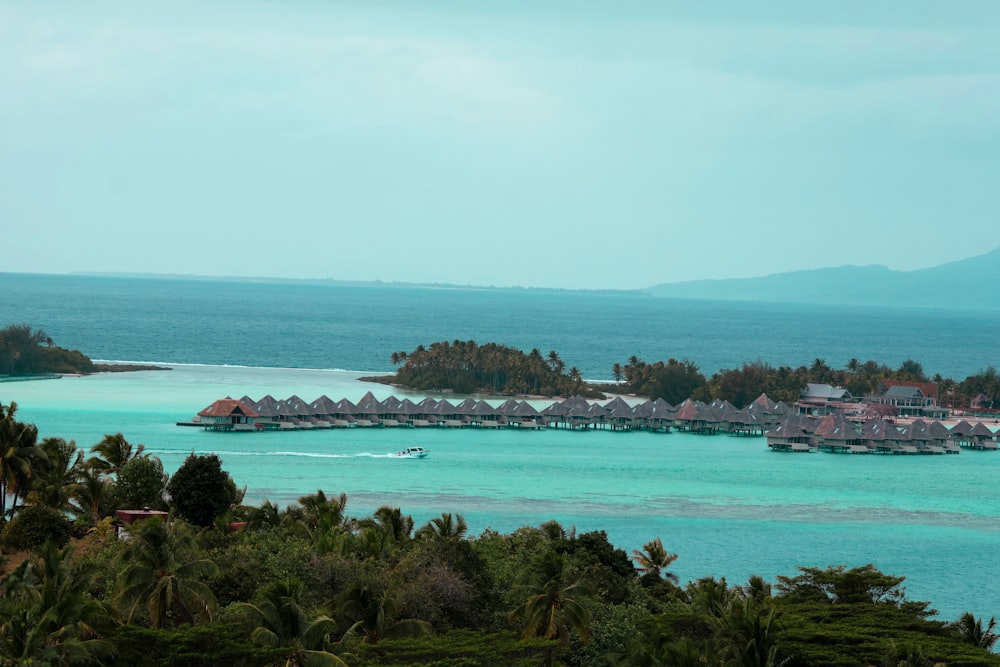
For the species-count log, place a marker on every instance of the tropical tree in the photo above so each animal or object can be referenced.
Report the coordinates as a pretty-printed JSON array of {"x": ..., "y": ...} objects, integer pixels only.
[
  {"x": 654, "y": 560},
  {"x": 92, "y": 494},
  {"x": 47, "y": 615},
  {"x": 283, "y": 624},
  {"x": 618, "y": 372},
  {"x": 555, "y": 362},
  {"x": 163, "y": 575},
  {"x": 392, "y": 522},
  {"x": 18, "y": 455},
  {"x": 267, "y": 516},
  {"x": 141, "y": 483},
  {"x": 553, "y": 600},
  {"x": 56, "y": 480},
  {"x": 201, "y": 490},
  {"x": 113, "y": 452},
  {"x": 444, "y": 527},
  {"x": 746, "y": 634},
  {"x": 972, "y": 630},
  {"x": 371, "y": 609},
  {"x": 319, "y": 519}
]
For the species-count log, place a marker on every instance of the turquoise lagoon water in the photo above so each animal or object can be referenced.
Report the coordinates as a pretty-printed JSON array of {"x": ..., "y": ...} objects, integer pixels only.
[{"x": 727, "y": 505}]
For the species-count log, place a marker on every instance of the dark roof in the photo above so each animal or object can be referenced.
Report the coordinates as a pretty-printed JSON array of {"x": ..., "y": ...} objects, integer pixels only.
[
  {"x": 961, "y": 428},
  {"x": 899, "y": 391},
  {"x": 368, "y": 405},
  {"x": 507, "y": 407},
  {"x": 928, "y": 389},
  {"x": 687, "y": 411},
  {"x": 297, "y": 406},
  {"x": 525, "y": 409},
  {"x": 981, "y": 430},
  {"x": 269, "y": 406},
  {"x": 323, "y": 405}
]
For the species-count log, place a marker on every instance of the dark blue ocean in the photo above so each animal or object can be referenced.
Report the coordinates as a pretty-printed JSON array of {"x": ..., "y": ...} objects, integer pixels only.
[
  {"x": 727, "y": 505},
  {"x": 298, "y": 325}
]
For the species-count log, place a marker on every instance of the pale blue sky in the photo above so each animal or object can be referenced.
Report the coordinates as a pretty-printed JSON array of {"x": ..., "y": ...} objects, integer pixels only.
[{"x": 559, "y": 144}]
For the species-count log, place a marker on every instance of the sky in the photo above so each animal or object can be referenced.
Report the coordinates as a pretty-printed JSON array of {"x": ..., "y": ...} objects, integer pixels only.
[{"x": 611, "y": 145}]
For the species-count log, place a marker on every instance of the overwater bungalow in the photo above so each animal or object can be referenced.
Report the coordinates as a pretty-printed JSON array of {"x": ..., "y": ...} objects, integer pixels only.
[
  {"x": 367, "y": 410},
  {"x": 959, "y": 434},
  {"x": 686, "y": 417},
  {"x": 873, "y": 433},
  {"x": 745, "y": 422},
  {"x": 525, "y": 415},
  {"x": 301, "y": 412},
  {"x": 449, "y": 415},
  {"x": 228, "y": 414},
  {"x": 794, "y": 434},
  {"x": 941, "y": 437},
  {"x": 426, "y": 413},
  {"x": 484, "y": 415},
  {"x": 273, "y": 414},
  {"x": 343, "y": 413},
  {"x": 983, "y": 437},
  {"x": 323, "y": 409},
  {"x": 620, "y": 415},
  {"x": 840, "y": 436}
]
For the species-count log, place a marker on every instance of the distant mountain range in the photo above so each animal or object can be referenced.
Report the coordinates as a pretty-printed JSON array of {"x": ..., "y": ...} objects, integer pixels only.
[{"x": 967, "y": 283}]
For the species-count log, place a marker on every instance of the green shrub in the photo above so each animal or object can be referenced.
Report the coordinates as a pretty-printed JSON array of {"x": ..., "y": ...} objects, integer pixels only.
[{"x": 34, "y": 525}]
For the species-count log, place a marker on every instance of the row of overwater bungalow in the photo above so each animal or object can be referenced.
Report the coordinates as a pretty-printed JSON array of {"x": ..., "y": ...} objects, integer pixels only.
[
  {"x": 577, "y": 413},
  {"x": 834, "y": 433}
]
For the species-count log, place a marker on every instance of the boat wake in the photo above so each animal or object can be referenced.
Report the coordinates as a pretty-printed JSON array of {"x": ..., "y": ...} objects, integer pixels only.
[{"x": 313, "y": 455}]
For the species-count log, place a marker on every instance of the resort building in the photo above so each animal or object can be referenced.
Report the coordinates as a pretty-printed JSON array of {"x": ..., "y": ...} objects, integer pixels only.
[
  {"x": 820, "y": 400},
  {"x": 910, "y": 399}
]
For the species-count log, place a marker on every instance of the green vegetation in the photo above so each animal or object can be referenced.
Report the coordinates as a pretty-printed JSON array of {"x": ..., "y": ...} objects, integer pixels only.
[
  {"x": 26, "y": 351},
  {"x": 467, "y": 367},
  {"x": 201, "y": 490},
  {"x": 311, "y": 585}
]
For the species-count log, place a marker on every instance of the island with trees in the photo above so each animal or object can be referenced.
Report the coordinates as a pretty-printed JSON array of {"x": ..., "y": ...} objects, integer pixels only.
[
  {"x": 220, "y": 582},
  {"x": 466, "y": 367},
  {"x": 27, "y": 352}
]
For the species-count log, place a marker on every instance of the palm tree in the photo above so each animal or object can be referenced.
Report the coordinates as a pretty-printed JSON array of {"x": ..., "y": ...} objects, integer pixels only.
[
  {"x": 654, "y": 560},
  {"x": 47, "y": 615},
  {"x": 163, "y": 573},
  {"x": 553, "y": 601},
  {"x": 445, "y": 527},
  {"x": 113, "y": 452},
  {"x": 18, "y": 455},
  {"x": 282, "y": 623},
  {"x": 618, "y": 372},
  {"x": 757, "y": 589},
  {"x": 56, "y": 482},
  {"x": 392, "y": 522},
  {"x": 322, "y": 512},
  {"x": 268, "y": 515},
  {"x": 745, "y": 634},
  {"x": 971, "y": 629},
  {"x": 555, "y": 363},
  {"x": 92, "y": 494},
  {"x": 372, "y": 610}
]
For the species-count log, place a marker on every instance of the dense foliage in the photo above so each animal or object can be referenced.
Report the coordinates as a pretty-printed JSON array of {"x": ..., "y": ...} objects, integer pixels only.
[
  {"x": 25, "y": 350},
  {"x": 201, "y": 490},
  {"x": 309, "y": 584},
  {"x": 468, "y": 367}
]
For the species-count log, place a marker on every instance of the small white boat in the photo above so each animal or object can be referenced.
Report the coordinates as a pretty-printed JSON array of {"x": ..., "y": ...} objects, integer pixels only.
[{"x": 414, "y": 453}]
